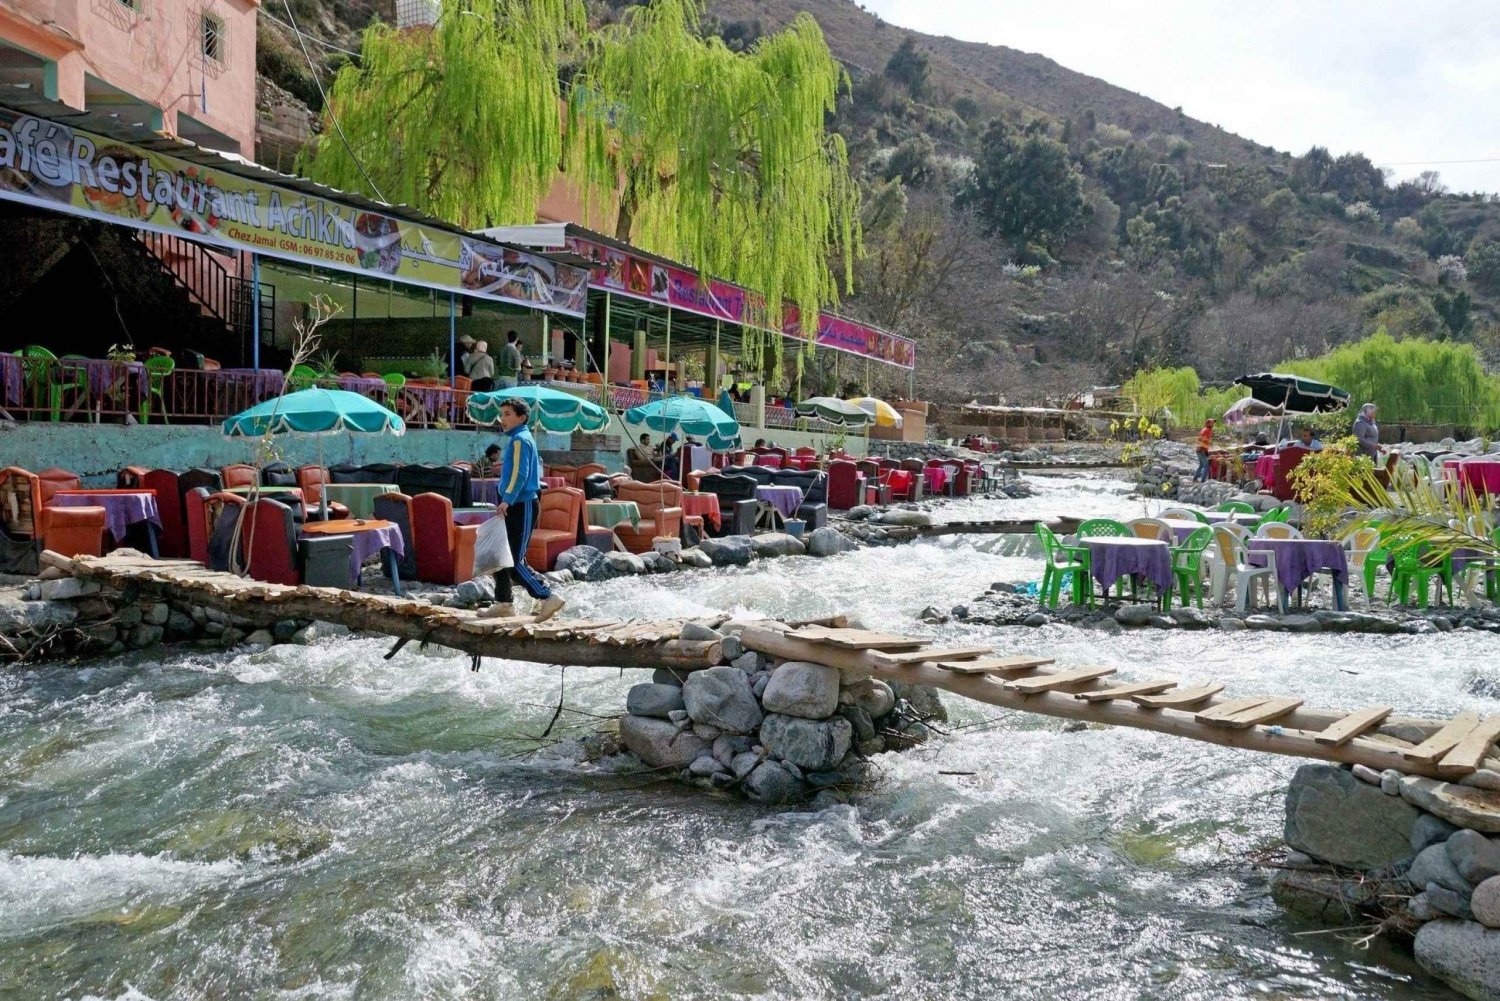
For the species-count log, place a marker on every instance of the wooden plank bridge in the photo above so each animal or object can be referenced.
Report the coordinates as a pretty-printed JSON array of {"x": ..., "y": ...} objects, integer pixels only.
[{"x": 1449, "y": 749}]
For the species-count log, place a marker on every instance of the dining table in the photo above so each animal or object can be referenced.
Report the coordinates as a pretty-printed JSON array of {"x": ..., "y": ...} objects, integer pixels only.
[
  {"x": 1265, "y": 468},
  {"x": 1482, "y": 475},
  {"x": 359, "y": 498},
  {"x": 937, "y": 479},
  {"x": 1113, "y": 557},
  {"x": 370, "y": 538},
  {"x": 783, "y": 499},
  {"x": 609, "y": 513},
  {"x": 1298, "y": 559},
  {"x": 1183, "y": 527},
  {"x": 704, "y": 504},
  {"x": 122, "y": 508},
  {"x": 486, "y": 489},
  {"x": 1246, "y": 518}
]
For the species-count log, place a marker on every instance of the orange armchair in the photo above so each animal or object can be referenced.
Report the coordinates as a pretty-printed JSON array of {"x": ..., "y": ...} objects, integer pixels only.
[
  {"x": 661, "y": 513},
  {"x": 67, "y": 531},
  {"x": 241, "y": 474},
  {"x": 445, "y": 551},
  {"x": 559, "y": 526},
  {"x": 53, "y": 480}
]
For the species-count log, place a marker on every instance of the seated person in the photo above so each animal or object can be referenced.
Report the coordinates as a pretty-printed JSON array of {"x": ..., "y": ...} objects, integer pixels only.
[
  {"x": 671, "y": 463},
  {"x": 1306, "y": 440},
  {"x": 1255, "y": 449},
  {"x": 489, "y": 463},
  {"x": 641, "y": 453}
]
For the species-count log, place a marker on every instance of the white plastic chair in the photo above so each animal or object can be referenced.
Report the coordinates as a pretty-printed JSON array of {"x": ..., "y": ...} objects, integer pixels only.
[
  {"x": 1152, "y": 528},
  {"x": 1357, "y": 549},
  {"x": 1246, "y": 574},
  {"x": 1213, "y": 559},
  {"x": 1178, "y": 514},
  {"x": 1278, "y": 530}
]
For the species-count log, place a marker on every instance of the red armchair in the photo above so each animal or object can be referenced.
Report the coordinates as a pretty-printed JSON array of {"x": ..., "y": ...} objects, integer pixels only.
[
  {"x": 274, "y": 554},
  {"x": 445, "y": 551},
  {"x": 67, "y": 531},
  {"x": 559, "y": 527},
  {"x": 240, "y": 474},
  {"x": 1287, "y": 459},
  {"x": 202, "y": 514},
  {"x": 171, "y": 541},
  {"x": 129, "y": 478},
  {"x": 846, "y": 485},
  {"x": 661, "y": 513}
]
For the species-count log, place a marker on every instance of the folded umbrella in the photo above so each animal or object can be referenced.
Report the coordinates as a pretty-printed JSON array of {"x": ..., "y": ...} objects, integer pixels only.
[{"x": 834, "y": 411}]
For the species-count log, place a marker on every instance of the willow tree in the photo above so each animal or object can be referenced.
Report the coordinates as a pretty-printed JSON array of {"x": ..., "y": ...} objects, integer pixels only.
[
  {"x": 720, "y": 158},
  {"x": 459, "y": 119}
]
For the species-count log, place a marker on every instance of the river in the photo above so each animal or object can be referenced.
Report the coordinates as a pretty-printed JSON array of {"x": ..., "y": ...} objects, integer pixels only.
[{"x": 318, "y": 822}]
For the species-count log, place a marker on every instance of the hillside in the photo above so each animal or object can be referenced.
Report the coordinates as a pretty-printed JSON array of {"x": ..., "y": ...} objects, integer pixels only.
[{"x": 1040, "y": 230}]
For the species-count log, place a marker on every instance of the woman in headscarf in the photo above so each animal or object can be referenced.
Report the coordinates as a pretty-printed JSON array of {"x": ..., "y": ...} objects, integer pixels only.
[{"x": 1367, "y": 431}]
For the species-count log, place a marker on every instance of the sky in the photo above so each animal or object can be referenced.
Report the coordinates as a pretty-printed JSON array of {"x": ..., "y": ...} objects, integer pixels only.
[{"x": 1401, "y": 82}]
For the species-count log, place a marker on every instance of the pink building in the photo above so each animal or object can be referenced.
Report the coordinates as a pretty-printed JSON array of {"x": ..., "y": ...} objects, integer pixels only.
[{"x": 184, "y": 67}]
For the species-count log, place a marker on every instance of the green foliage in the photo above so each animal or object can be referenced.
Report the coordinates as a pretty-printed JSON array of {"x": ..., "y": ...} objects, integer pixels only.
[
  {"x": 913, "y": 162},
  {"x": 1322, "y": 482},
  {"x": 1483, "y": 260},
  {"x": 725, "y": 158},
  {"x": 1413, "y": 381},
  {"x": 461, "y": 120},
  {"x": 909, "y": 67},
  {"x": 1024, "y": 189},
  {"x": 1158, "y": 390}
]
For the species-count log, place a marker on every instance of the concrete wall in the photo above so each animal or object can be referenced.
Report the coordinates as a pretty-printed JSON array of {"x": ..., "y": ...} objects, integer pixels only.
[{"x": 97, "y": 451}]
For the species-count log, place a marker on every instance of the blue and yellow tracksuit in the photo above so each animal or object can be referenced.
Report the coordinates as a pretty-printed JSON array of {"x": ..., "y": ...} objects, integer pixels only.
[{"x": 520, "y": 486}]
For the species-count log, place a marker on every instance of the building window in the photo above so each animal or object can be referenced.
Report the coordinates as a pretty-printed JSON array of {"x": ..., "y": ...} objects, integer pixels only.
[
  {"x": 214, "y": 42},
  {"x": 134, "y": 5}
]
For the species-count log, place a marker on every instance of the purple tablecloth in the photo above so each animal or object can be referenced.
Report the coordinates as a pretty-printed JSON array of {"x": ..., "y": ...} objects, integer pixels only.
[
  {"x": 1237, "y": 517},
  {"x": 11, "y": 376},
  {"x": 364, "y": 385},
  {"x": 120, "y": 510},
  {"x": 263, "y": 383},
  {"x": 786, "y": 499},
  {"x": 1112, "y": 558},
  {"x": 485, "y": 490},
  {"x": 1299, "y": 559},
  {"x": 1182, "y": 528},
  {"x": 368, "y": 542},
  {"x": 102, "y": 373}
]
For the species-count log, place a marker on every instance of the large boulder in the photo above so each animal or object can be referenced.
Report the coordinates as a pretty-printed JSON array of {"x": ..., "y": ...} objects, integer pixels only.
[
  {"x": 625, "y": 563},
  {"x": 659, "y": 743},
  {"x": 799, "y": 689},
  {"x": 814, "y": 745},
  {"x": 1476, "y": 809},
  {"x": 730, "y": 551},
  {"x": 18, "y": 616},
  {"x": 585, "y": 563},
  {"x": 873, "y": 696},
  {"x": 722, "y": 697},
  {"x": 828, "y": 541},
  {"x": 769, "y": 544},
  {"x": 900, "y": 516},
  {"x": 1432, "y": 865},
  {"x": 923, "y": 699},
  {"x": 1464, "y": 954},
  {"x": 770, "y": 783},
  {"x": 1336, "y": 818},
  {"x": 1476, "y": 857},
  {"x": 1486, "y": 902},
  {"x": 651, "y": 699}
]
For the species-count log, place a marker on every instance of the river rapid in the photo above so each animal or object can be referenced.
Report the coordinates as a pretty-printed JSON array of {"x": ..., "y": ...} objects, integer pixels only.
[{"x": 318, "y": 822}]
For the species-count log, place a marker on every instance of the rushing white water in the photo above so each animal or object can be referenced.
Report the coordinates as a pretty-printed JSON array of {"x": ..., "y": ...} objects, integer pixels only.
[{"x": 318, "y": 822}]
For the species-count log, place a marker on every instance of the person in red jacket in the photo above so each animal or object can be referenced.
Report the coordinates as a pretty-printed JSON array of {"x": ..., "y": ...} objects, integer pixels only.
[{"x": 1205, "y": 442}]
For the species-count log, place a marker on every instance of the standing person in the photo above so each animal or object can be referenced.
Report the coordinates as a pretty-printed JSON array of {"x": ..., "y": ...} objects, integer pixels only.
[
  {"x": 671, "y": 459},
  {"x": 1205, "y": 442},
  {"x": 466, "y": 358},
  {"x": 481, "y": 368},
  {"x": 508, "y": 366},
  {"x": 1367, "y": 431},
  {"x": 519, "y": 487}
]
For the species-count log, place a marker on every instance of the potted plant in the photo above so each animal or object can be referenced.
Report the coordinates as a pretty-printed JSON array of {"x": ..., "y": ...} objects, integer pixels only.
[{"x": 434, "y": 366}]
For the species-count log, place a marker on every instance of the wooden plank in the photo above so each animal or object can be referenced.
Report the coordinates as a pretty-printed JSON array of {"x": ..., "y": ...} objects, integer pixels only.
[
  {"x": 1059, "y": 679},
  {"x": 1266, "y": 712},
  {"x": 1126, "y": 691},
  {"x": 1180, "y": 699},
  {"x": 1445, "y": 739},
  {"x": 1353, "y": 725},
  {"x": 858, "y": 639},
  {"x": 1230, "y": 708},
  {"x": 995, "y": 665},
  {"x": 1469, "y": 752},
  {"x": 932, "y": 655}
]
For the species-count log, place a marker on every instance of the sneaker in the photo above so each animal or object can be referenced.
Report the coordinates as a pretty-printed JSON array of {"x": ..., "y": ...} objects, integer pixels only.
[
  {"x": 548, "y": 608},
  {"x": 498, "y": 610}
]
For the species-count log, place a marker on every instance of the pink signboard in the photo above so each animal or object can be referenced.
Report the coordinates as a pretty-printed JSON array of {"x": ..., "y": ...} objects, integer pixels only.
[{"x": 616, "y": 271}]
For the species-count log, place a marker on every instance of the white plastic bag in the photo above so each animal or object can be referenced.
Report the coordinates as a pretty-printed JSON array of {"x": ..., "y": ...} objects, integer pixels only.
[{"x": 492, "y": 548}]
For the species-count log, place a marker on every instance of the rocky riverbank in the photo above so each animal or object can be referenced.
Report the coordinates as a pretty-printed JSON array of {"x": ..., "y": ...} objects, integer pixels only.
[
  {"x": 1008, "y": 604},
  {"x": 1410, "y": 856},
  {"x": 773, "y": 731}
]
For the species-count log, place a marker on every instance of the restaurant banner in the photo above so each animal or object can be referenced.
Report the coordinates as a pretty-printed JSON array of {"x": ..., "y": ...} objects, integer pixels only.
[
  {"x": 617, "y": 271},
  {"x": 54, "y": 166}
]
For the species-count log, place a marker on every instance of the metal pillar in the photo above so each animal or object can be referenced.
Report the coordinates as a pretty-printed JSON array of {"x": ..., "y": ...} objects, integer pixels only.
[
  {"x": 638, "y": 353},
  {"x": 667, "y": 359},
  {"x": 452, "y": 357},
  {"x": 546, "y": 339},
  {"x": 604, "y": 352},
  {"x": 255, "y": 311}
]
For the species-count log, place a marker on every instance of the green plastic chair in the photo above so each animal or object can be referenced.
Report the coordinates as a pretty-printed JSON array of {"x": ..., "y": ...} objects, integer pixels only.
[
  {"x": 302, "y": 377},
  {"x": 1074, "y": 564},
  {"x": 1187, "y": 564},
  {"x": 1104, "y": 528},
  {"x": 1235, "y": 507},
  {"x": 1411, "y": 567},
  {"x": 158, "y": 367},
  {"x": 39, "y": 368}
]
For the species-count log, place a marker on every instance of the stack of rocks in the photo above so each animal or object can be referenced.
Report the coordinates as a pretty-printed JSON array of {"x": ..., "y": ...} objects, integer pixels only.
[
  {"x": 1417, "y": 852},
  {"x": 778, "y": 732}
]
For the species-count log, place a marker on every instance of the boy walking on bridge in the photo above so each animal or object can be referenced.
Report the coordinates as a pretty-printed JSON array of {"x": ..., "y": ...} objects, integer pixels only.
[{"x": 520, "y": 487}]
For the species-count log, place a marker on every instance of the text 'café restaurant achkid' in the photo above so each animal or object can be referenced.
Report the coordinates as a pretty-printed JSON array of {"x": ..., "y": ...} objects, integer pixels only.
[{"x": 212, "y": 260}]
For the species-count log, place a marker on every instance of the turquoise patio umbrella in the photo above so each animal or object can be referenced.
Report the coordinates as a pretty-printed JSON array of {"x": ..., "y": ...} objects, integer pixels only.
[
  {"x": 317, "y": 411},
  {"x": 688, "y": 415},
  {"x": 553, "y": 409}
]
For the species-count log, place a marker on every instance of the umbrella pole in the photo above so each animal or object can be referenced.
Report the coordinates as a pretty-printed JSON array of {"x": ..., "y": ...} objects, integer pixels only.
[{"x": 322, "y": 490}]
